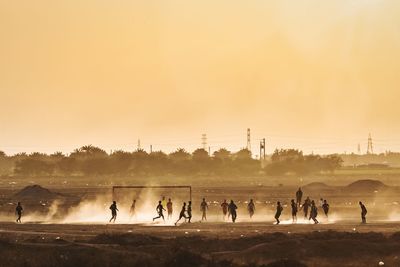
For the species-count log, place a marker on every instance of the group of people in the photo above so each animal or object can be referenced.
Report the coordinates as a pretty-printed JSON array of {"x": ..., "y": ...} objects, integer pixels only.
[
  {"x": 229, "y": 210},
  {"x": 311, "y": 205}
]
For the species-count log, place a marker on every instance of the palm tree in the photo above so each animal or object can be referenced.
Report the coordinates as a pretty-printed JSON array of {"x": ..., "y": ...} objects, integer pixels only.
[{"x": 179, "y": 155}]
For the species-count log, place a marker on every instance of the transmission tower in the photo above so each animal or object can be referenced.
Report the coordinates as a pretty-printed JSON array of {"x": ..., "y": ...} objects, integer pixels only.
[
  {"x": 370, "y": 149},
  {"x": 248, "y": 140},
  {"x": 204, "y": 141}
]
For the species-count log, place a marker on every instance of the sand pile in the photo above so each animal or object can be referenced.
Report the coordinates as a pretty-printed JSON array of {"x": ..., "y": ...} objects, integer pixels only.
[
  {"x": 36, "y": 192},
  {"x": 366, "y": 185}
]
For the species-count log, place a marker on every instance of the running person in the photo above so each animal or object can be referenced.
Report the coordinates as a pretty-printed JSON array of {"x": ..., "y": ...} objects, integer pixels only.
[
  {"x": 18, "y": 212},
  {"x": 159, "y": 210},
  {"x": 251, "y": 208},
  {"x": 169, "y": 208},
  {"x": 299, "y": 196},
  {"x": 182, "y": 214},
  {"x": 114, "y": 210},
  {"x": 278, "y": 213},
  {"x": 294, "y": 210},
  {"x": 224, "y": 207},
  {"x": 189, "y": 211},
  {"x": 314, "y": 212},
  {"x": 203, "y": 209},
  {"x": 363, "y": 213},
  {"x": 325, "y": 207},
  {"x": 232, "y": 210}
]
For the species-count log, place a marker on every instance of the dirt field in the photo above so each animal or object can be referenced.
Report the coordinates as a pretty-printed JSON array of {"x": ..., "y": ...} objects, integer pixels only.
[
  {"x": 75, "y": 232},
  {"x": 199, "y": 244}
]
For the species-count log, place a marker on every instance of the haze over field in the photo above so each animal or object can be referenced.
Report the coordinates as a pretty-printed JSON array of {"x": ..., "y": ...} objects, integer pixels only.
[{"x": 316, "y": 75}]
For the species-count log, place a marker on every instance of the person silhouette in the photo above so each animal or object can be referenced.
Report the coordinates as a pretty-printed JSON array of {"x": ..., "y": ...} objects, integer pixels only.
[
  {"x": 203, "y": 209},
  {"x": 114, "y": 210},
  {"x": 189, "y": 211},
  {"x": 232, "y": 210},
  {"x": 182, "y": 213},
  {"x": 294, "y": 210},
  {"x": 159, "y": 210},
  {"x": 169, "y": 208},
  {"x": 224, "y": 206},
  {"x": 278, "y": 213},
  {"x": 314, "y": 212},
  {"x": 306, "y": 205},
  {"x": 18, "y": 212},
  {"x": 325, "y": 207},
  {"x": 363, "y": 213},
  {"x": 251, "y": 208}
]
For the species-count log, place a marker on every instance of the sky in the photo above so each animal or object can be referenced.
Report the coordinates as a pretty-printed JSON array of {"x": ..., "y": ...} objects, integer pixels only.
[{"x": 308, "y": 74}]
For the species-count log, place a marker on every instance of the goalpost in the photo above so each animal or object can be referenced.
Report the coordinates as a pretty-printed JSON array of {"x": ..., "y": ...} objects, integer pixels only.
[{"x": 152, "y": 187}]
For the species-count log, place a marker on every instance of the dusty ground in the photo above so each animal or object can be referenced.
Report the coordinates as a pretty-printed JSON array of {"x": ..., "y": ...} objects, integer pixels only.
[
  {"x": 341, "y": 241},
  {"x": 199, "y": 244}
]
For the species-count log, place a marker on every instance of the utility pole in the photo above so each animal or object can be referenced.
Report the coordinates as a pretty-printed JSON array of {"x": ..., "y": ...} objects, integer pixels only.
[
  {"x": 151, "y": 148},
  {"x": 359, "y": 149},
  {"x": 370, "y": 149},
  {"x": 138, "y": 145},
  {"x": 262, "y": 150}
]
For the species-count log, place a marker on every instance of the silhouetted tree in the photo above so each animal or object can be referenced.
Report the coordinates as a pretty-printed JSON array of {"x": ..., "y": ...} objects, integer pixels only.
[{"x": 222, "y": 154}]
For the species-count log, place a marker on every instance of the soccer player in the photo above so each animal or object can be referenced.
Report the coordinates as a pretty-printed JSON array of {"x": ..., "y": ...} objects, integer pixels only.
[
  {"x": 363, "y": 213},
  {"x": 159, "y": 210},
  {"x": 306, "y": 206},
  {"x": 278, "y": 213},
  {"x": 18, "y": 212},
  {"x": 114, "y": 210},
  {"x": 294, "y": 210},
  {"x": 169, "y": 208},
  {"x": 189, "y": 211},
  {"x": 232, "y": 210},
  {"x": 224, "y": 206},
  {"x": 314, "y": 212},
  {"x": 182, "y": 214},
  {"x": 251, "y": 208},
  {"x": 325, "y": 207},
  {"x": 203, "y": 209}
]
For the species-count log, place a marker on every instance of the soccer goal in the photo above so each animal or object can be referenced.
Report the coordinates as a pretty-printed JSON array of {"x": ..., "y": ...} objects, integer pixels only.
[{"x": 159, "y": 187}]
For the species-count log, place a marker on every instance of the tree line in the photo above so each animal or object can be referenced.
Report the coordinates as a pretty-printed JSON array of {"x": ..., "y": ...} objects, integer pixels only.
[{"x": 91, "y": 161}]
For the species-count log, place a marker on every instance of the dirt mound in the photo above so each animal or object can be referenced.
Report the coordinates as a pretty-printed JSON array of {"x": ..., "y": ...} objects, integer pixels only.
[
  {"x": 36, "y": 192},
  {"x": 367, "y": 185},
  {"x": 316, "y": 186}
]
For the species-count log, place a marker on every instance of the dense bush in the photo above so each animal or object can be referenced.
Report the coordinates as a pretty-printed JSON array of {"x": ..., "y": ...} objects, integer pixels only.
[{"x": 93, "y": 161}]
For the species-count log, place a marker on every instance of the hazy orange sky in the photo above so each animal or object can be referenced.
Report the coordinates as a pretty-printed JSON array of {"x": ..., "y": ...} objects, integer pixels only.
[{"x": 315, "y": 75}]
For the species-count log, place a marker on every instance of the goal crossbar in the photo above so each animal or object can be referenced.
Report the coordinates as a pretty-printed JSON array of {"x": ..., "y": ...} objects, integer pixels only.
[{"x": 152, "y": 187}]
